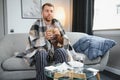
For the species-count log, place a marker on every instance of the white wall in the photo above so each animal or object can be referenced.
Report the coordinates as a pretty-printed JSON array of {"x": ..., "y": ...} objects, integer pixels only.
[
  {"x": 20, "y": 25},
  {"x": 14, "y": 18}
]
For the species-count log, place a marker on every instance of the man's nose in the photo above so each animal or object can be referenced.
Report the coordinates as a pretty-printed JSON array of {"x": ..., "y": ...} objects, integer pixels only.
[{"x": 49, "y": 13}]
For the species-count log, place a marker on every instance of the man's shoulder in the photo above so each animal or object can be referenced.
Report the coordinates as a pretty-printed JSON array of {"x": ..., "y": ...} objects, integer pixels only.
[
  {"x": 35, "y": 25},
  {"x": 36, "y": 22},
  {"x": 54, "y": 20}
]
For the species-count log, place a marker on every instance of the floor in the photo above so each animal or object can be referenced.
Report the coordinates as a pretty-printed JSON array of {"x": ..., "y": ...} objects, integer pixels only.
[{"x": 106, "y": 75}]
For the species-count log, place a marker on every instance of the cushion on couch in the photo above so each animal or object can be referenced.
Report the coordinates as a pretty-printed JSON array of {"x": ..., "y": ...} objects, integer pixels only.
[
  {"x": 93, "y": 46},
  {"x": 15, "y": 64}
]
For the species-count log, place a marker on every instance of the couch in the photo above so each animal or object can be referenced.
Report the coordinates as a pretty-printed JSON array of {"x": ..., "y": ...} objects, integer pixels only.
[{"x": 13, "y": 68}]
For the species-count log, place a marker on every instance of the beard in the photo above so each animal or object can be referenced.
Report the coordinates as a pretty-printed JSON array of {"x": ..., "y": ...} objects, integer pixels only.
[{"x": 48, "y": 18}]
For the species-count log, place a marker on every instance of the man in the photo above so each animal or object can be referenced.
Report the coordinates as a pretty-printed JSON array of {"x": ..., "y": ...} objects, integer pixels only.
[{"x": 40, "y": 34}]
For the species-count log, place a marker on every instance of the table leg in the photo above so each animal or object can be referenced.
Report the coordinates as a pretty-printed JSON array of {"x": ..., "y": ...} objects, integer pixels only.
[
  {"x": 98, "y": 76},
  {"x": 57, "y": 76}
]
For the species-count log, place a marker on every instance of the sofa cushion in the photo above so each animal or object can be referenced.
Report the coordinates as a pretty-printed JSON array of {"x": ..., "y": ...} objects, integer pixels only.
[
  {"x": 15, "y": 64},
  {"x": 93, "y": 46}
]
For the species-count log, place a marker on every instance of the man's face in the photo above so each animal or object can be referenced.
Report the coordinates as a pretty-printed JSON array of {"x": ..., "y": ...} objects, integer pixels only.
[{"x": 48, "y": 13}]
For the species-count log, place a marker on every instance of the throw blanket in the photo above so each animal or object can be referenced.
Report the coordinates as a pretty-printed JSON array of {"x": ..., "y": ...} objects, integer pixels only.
[
  {"x": 37, "y": 36},
  {"x": 37, "y": 41}
]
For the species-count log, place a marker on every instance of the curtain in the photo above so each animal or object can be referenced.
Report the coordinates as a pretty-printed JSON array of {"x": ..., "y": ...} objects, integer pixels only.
[{"x": 83, "y": 12}]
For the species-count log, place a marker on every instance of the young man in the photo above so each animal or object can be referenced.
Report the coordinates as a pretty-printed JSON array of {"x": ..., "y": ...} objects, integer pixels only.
[{"x": 43, "y": 30}]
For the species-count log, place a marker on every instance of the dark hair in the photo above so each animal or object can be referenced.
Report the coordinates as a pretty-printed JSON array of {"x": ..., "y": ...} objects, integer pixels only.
[{"x": 47, "y": 4}]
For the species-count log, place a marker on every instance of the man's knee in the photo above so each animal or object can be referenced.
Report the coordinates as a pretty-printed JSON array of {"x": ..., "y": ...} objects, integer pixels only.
[
  {"x": 41, "y": 54},
  {"x": 60, "y": 51}
]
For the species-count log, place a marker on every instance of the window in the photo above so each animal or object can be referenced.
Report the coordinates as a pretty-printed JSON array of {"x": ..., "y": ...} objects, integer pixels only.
[{"x": 107, "y": 14}]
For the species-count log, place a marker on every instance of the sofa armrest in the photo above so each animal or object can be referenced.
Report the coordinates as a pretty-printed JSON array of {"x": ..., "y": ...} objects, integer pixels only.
[
  {"x": 104, "y": 61},
  {"x": 102, "y": 64},
  {"x": 6, "y": 49}
]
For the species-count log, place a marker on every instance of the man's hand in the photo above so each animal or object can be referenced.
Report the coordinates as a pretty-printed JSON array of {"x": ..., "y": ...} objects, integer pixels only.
[
  {"x": 56, "y": 31},
  {"x": 50, "y": 33}
]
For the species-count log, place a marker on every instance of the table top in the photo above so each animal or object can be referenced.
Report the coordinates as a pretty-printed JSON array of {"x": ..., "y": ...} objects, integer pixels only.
[{"x": 72, "y": 73}]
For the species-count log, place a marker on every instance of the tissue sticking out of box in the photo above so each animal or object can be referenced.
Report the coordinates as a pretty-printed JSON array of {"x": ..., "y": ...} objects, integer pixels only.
[{"x": 64, "y": 67}]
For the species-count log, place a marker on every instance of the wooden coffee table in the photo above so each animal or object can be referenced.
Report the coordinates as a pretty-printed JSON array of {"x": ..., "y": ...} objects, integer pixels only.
[{"x": 71, "y": 75}]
